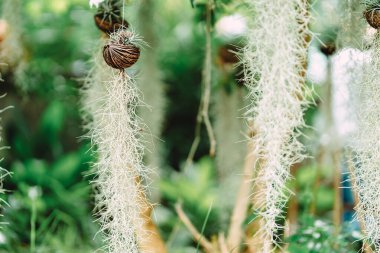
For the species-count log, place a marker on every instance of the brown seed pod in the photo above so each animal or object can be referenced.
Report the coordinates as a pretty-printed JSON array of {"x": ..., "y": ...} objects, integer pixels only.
[
  {"x": 373, "y": 17},
  {"x": 111, "y": 24},
  {"x": 120, "y": 56}
]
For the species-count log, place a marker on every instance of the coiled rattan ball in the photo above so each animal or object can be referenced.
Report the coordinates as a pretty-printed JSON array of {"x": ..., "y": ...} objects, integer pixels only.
[{"x": 120, "y": 52}]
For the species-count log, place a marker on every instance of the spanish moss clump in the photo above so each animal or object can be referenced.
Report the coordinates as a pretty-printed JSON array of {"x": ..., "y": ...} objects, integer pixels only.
[
  {"x": 274, "y": 60},
  {"x": 366, "y": 147},
  {"x": 110, "y": 99}
]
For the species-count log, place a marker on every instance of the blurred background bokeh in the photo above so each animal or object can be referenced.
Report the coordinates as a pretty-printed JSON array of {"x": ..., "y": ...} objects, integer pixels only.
[{"x": 48, "y": 200}]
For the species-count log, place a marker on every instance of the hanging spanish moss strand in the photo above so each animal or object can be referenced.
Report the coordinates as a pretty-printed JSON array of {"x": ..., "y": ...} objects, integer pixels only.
[
  {"x": 366, "y": 147},
  {"x": 151, "y": 86},
  {"x": 358, "y": 71},
  {"x": 110, "y": 101},
  {"x": 274, "y": 61},
  {"x": 119, "y": 193}
]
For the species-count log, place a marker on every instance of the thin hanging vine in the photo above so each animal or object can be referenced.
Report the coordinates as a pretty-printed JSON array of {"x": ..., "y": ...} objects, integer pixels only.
[{"x": 203, "y": 111}]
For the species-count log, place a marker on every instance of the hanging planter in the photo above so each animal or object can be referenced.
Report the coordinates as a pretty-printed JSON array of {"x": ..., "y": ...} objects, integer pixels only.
[{"x": 120, "y": 52}]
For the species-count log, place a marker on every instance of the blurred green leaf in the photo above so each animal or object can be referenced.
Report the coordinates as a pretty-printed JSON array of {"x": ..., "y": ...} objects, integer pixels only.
[
  {"x": 52, "y": 121},
  {"x": 66, "y": 168}
]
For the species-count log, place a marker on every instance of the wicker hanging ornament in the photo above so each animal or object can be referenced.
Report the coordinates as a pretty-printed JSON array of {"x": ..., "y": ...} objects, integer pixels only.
[{"x": 120, "y": 52}]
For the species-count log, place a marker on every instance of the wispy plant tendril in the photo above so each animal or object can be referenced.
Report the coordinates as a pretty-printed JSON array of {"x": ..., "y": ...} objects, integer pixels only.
[
  {"x": 110, "y": 100},
  {"x": 274, "y": 60},
  {"x": 365, "y": 144}
]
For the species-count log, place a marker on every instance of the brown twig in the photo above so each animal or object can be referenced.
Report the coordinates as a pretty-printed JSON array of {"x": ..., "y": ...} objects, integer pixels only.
[
  {"x": 197, "y": 138},
  {"x": 198, "y": 237},
  {"x": 222, "y": 243},
  {"x": 203, "y": 111},
  {"x": 153, "y": 241},
  {"x": 207, "y": 81}
]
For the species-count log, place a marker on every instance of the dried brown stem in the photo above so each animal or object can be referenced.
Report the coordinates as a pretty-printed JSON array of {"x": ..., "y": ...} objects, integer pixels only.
[
  {"x": 197, "y": 139},
  {"x": 198, "y": 237},
  {"x": 203, "y": 111},
  {"x": 153, "y": 242},
  {"x": 223, "y": 244},
  {"x": 207, "y": 81}
]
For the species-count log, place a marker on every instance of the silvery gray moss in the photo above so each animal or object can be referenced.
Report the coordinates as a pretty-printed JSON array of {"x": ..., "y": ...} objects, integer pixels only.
[
  {"x": 274, "y": 60},
  {"x": 363, "y": 74},
  {"x": 365, "y": 144},
  {"x": 110, "y": 100}
]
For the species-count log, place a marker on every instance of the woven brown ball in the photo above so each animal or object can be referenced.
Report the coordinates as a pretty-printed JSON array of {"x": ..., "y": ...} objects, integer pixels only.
[
  {"x": 110, "y": 25},
  {"x": 120, "y": 56},
  {"x": 373, "y": 17}
]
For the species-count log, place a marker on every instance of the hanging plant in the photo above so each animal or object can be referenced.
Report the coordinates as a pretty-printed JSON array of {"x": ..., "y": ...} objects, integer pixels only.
[
  {"x": 115, "y": 133},
  {"x": 365, "y": 146},
  {"x": 110, "y": 100},
  {"x": 274, "y": 60}
]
